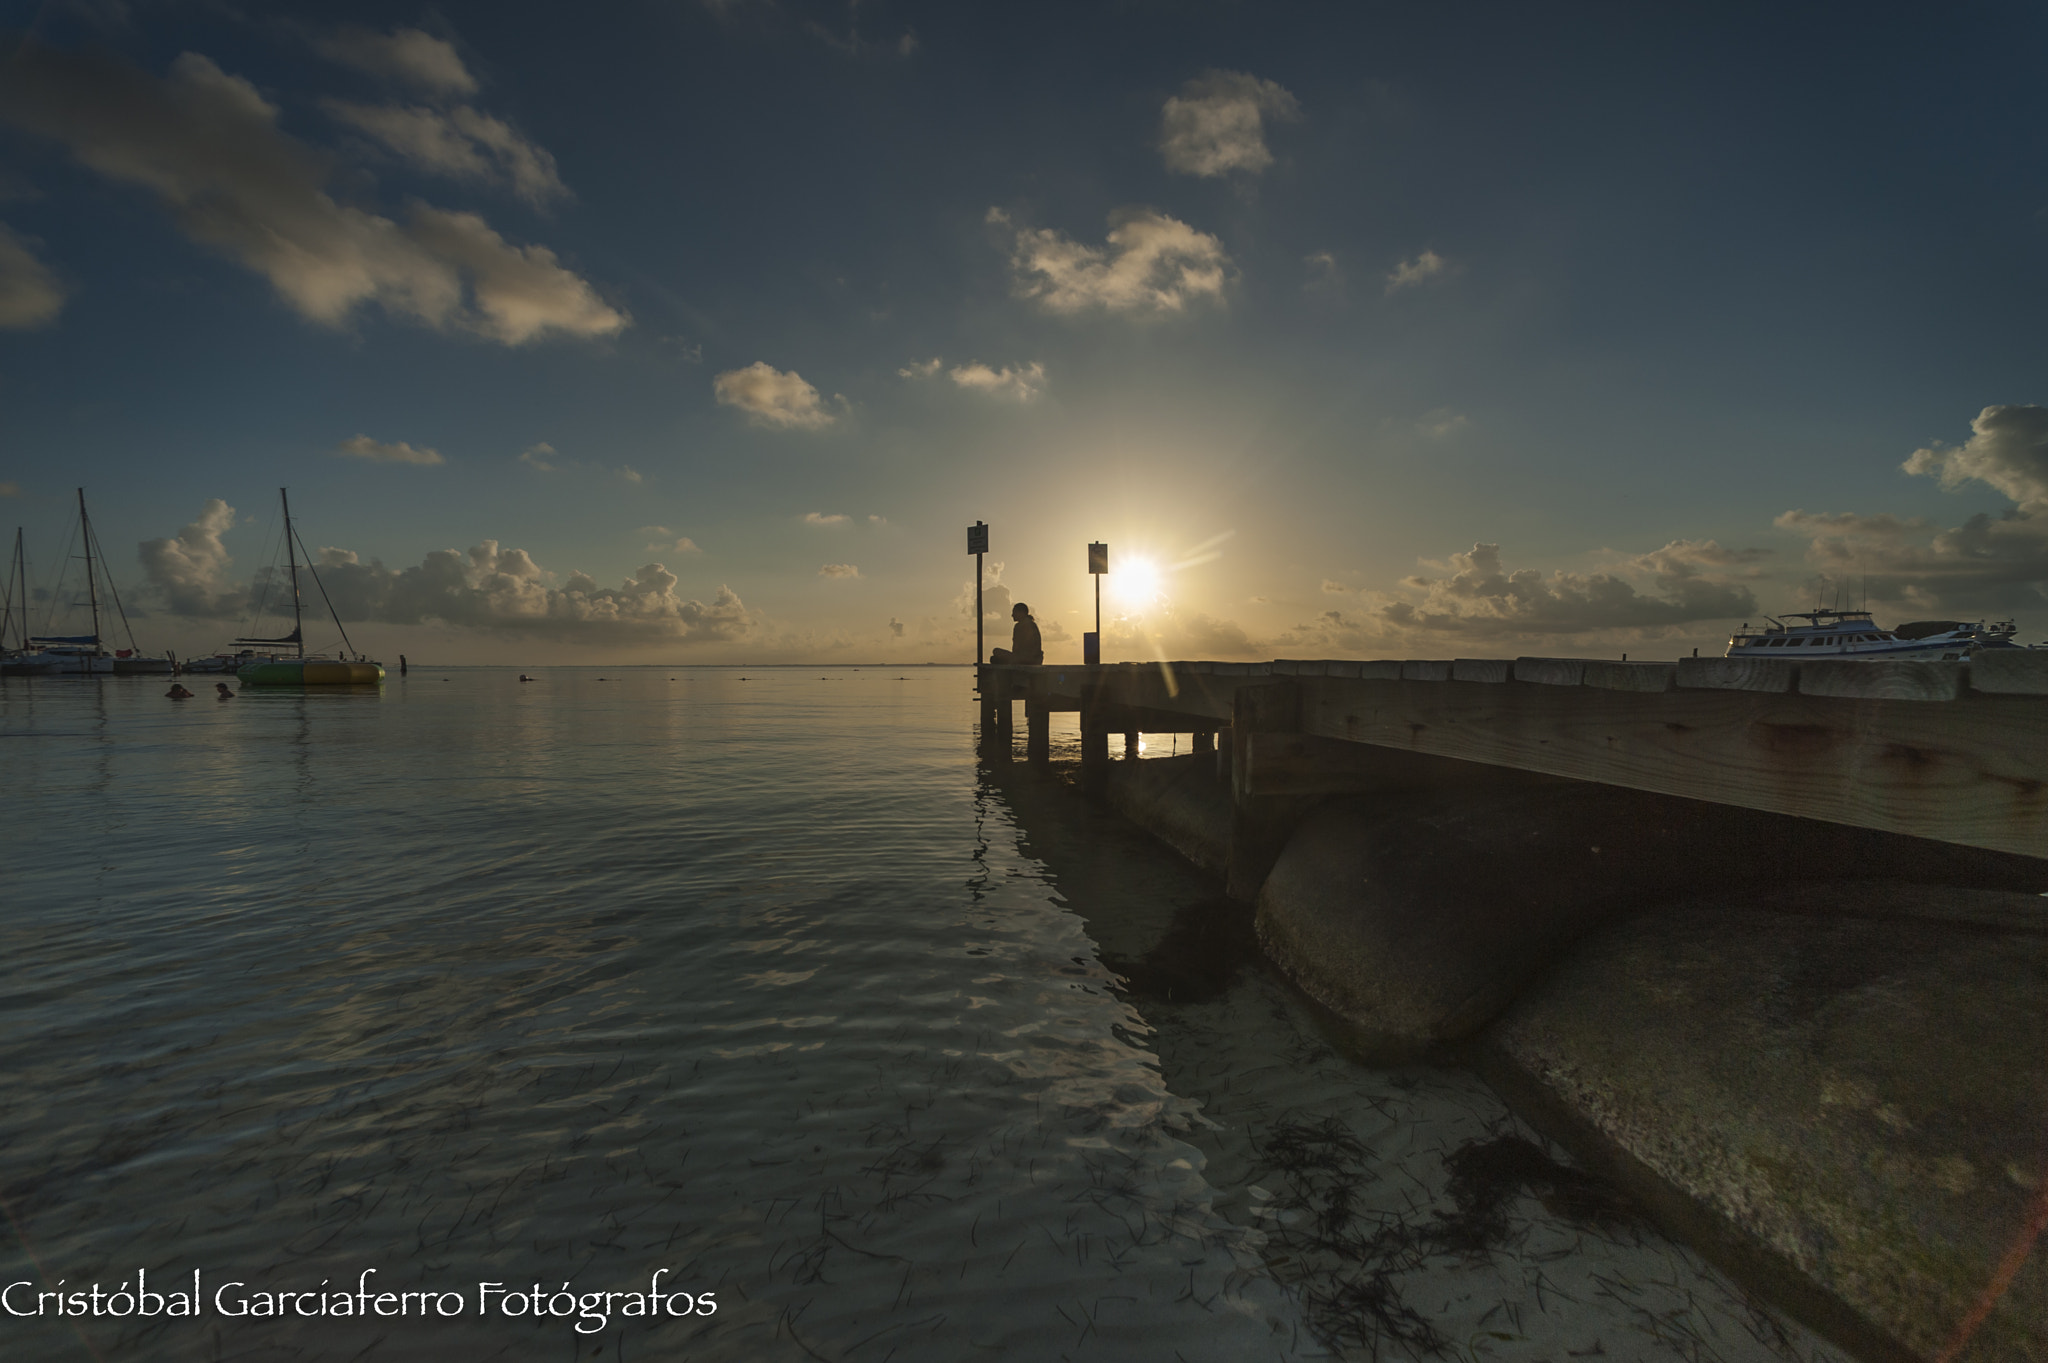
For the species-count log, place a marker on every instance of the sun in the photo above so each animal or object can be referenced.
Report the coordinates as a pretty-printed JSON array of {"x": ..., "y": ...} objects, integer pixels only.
[{"x": 1136, "y": 583}]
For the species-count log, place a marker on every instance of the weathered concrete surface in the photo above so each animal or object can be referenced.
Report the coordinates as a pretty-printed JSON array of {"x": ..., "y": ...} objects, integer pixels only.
[
  {"x": 1179, "y": 800},
  {"x": 1852, "y": 1107},
  {"x": 1419, "y": 916}
]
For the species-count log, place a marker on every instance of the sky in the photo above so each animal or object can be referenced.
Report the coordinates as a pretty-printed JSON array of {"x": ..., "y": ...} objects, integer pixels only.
[{"x": 699, "y": 331}]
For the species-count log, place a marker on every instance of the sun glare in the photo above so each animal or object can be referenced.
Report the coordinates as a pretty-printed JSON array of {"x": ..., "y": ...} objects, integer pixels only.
[{"x": 1135, "y": 583}]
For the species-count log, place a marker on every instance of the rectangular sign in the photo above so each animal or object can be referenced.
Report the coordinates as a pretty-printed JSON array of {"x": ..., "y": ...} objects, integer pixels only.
[
  {"x": 1098, "y": 558},
  {"x": 977, "y": 538}
]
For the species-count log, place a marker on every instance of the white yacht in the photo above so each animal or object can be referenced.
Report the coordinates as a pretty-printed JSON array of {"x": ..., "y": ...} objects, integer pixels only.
[{"x": 1853, "y": 634}]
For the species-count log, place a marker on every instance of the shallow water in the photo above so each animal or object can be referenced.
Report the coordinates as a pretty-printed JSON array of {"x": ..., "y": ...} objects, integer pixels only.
[{"x": 747, "y": 977}]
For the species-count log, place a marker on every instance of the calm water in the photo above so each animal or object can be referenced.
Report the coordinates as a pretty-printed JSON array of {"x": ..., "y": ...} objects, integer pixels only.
[{"x": 748, "y": 977}]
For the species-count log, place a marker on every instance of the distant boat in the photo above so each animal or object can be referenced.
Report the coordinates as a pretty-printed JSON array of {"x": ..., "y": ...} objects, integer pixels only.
[
  {"x": 1853, "y": 634},
  {"x": 81, "y": 654},
  {"x": 303, "y": 669}
]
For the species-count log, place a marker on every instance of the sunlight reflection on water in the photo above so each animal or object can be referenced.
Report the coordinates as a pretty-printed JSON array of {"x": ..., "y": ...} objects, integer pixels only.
[{"x": 757, "y": 983}]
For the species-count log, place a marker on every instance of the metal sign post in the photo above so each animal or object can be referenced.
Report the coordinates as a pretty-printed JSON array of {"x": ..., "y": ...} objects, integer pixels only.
[
  {"x": 977, "y": 545},
  {"x": 1098, "y": 564}
]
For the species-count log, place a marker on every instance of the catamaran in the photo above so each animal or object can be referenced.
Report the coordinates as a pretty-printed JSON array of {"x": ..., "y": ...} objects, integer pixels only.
[
  {"x": 304, "y": 669},
  {"x": 82, "y": 654}
]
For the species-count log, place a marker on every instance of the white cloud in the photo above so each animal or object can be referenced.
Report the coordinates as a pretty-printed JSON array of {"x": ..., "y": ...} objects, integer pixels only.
[
  {"x": 920, "y": 369},
  {"x": 683, "y": 544},
  {"x": 1151, "y": 264},
  {"x": 825, "y": 518},
  {"x": 207, "y": 144},
  {"x": 377, "y": 451},
  {"x": 540, "y": 457},
  {"x": 841, "y": 570},
  {"x": 1216, "y": 124},
  {"x": 188, "y": 574},
  {"x": 1988, "y": 563},
  {"x": 1411, "y": 273},
  {"x": 877, "y": 520},
  {"x": 1020, "y": 384},
  {"x": 2007, "y": 450},
  {"x": 30, "y": 295},
  {"x": 770, "y": 397},
  {"x": 628, "y": 474},
  {"x": 404, "y": 54},
  {"x": 461, "y": 143}
]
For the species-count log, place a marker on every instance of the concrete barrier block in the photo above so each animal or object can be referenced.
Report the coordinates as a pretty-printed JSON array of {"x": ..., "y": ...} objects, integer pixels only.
[
  {"x": 1481, "y": 669},
  {"x": 1611, "y": 676},
  {"x": 1735, "y": 674},
  {"x": 2010, "y": 671},
  {"x": 1426, "y": 669},
  {"x": 1881, "y": 679},
  {"x": 1551, "y": 671}
]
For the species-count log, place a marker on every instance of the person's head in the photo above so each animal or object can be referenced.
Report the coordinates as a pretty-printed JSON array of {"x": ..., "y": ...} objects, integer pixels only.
[{"x": 1020, "y": 611}]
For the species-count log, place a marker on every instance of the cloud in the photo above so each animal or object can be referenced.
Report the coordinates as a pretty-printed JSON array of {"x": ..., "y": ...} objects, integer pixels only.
[
  {"x": 1020, "y": 384},
  {"x": 878, "y": 520},
  {"x": 188, "y": 573},
  {"x": 1441, "y": 423},
  {"x": 406, "y": 55},
  {"x": 995, "y": 597},
  {"x": 1334, "y": 588},
  {"x": 920, "y": 369},
  {"x": 1216, "y": 124},
  {"x": 460, "y": 143},
  {"x": 207, "y": 144},
  {"x": 895, "y": 627},
  {"x": 1325, "y": 276},
  {"x": 2007, "y": 450},
  {"x": 10, "y": 489},
  {"x": 1151, "y": 264},
  {"x": 838, "y": 570},
  {"x": 770, "y": 397},
  {"x": 544, "y": 458},
  {"x": 682, "y": 545},
  {"x": 825, "y": 518},
  {"x": 1411, "y": 273},
  {"x": 539, "y": 457},
  {"x": 376, "y": 451},
  {"x": 1473, "y": 595},
  {"x": 1980, "y": 564},
  {"x": 30, "y": 295},
  {"x": 628, "y": 474}
]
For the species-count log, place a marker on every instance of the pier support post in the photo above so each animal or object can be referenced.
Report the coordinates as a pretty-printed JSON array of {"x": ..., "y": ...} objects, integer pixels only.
[
  {"x": 1130, "y": 745},
  {"x": 1094, "y": 727},
  {"x": 1259, "y": 824},
  {"x": 1204, "y": 741},
  {"x": 1037, "y": 724}
]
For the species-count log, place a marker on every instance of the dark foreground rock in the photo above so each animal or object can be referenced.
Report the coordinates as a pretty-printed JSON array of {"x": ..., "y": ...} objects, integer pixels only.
[
  {"x": 1842, "y": 1089},
  {"x": 1419, "y": 916}
]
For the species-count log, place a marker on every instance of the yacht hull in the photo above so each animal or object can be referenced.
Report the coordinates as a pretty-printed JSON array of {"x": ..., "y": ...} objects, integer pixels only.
[{"x": 311, "y": 672}]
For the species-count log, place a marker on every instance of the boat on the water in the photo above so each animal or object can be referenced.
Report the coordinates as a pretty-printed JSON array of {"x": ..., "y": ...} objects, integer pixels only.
[
  {"x": 301, "y": 668},
  {"x": 1853, "y": 634},
  {"x": 80, "y": 655}
]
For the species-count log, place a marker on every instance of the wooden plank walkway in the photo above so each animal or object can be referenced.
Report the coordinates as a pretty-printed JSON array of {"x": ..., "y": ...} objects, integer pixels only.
[{"x": 1954, "y": 751}]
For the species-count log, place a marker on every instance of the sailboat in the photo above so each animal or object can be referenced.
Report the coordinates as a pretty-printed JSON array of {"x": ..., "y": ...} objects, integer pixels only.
[
  {"x": 302, "y": 669},
  {"x": 86, "y": 654},
  {"x": 19, "y": 660}
]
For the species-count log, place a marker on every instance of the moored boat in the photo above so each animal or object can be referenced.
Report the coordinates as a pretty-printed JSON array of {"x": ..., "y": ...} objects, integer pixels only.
[
  {"x": 302, "y": 668},
  {"x": 1855, "y": 635},
  {"x": 80, "y": 655}
]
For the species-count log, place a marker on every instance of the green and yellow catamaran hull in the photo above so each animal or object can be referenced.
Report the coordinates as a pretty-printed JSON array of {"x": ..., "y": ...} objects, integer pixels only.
[{"x": 310, "y": 672}]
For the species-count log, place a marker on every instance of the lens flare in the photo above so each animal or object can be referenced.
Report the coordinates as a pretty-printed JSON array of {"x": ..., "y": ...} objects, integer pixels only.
[{"x": 1135, "y": 583}]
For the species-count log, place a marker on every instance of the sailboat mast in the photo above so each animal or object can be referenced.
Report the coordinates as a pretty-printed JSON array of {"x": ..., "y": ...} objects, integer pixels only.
[
  {"x": 292, "y": 559},
  {"x": 92, "y": 591},
  {"x": 7, "y": 607}
]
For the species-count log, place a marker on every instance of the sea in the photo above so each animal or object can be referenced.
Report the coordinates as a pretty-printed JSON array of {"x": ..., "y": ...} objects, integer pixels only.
[{"x": 719, "y": 1014}]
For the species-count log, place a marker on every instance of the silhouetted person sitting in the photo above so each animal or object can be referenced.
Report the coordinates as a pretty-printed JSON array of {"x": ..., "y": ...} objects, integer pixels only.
[{"x": 1026, "y": 648}]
